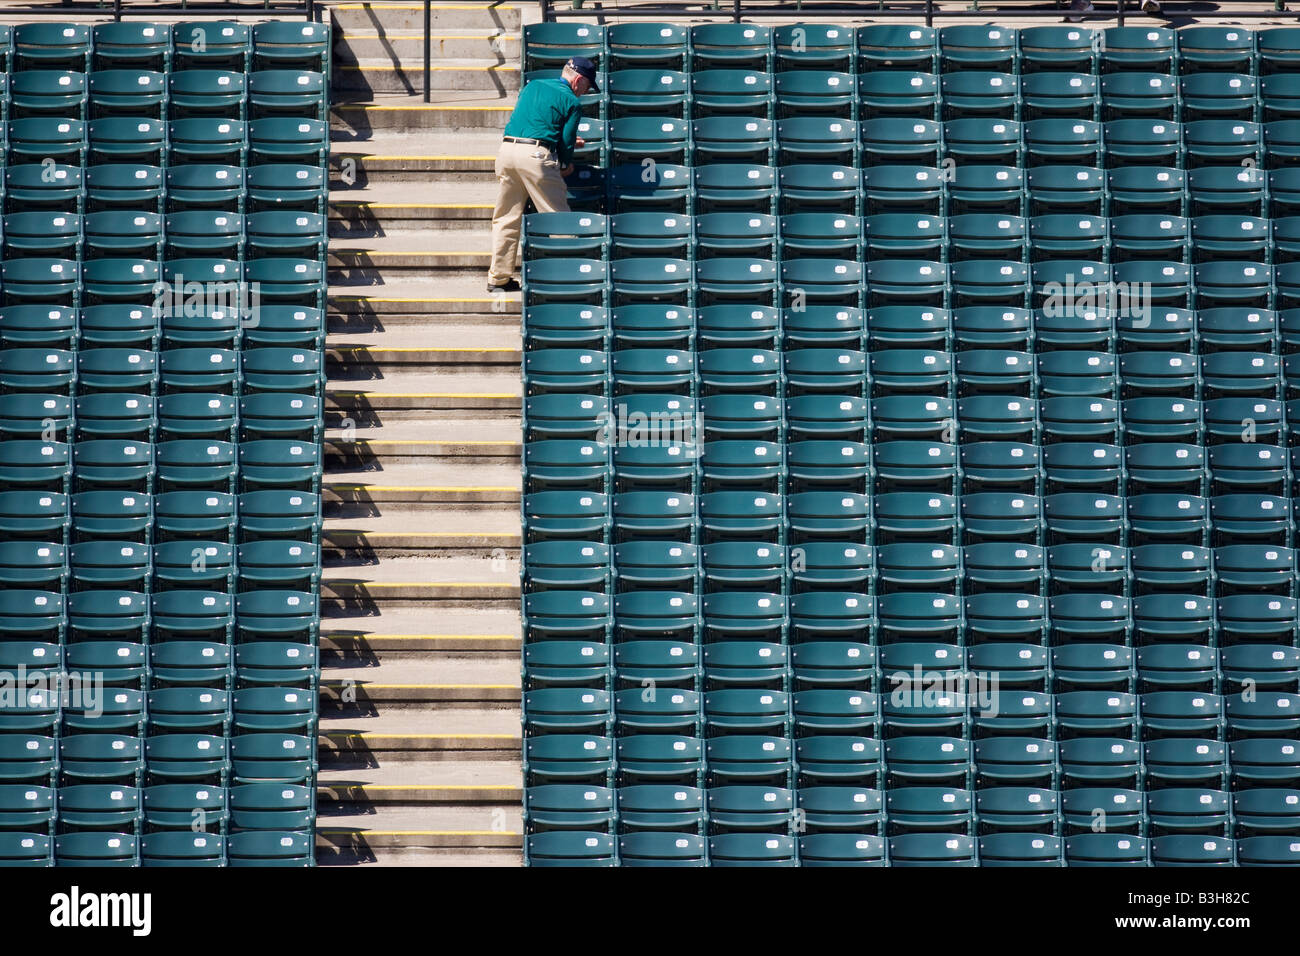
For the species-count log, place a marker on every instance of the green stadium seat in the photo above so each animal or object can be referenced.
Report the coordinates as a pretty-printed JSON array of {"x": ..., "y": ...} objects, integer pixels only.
[
  {"x": 286, "y": 43},
  {"x": 1065, "y": 95},
  {"x": 899, "y": 93},
  {"x": 1056, "y": 48},
  {"x": 270, "y": 848},
  {"x": 273, "y": 710},
  {"x": 191, "y": 662},
  {"x": 980, "y": 93},
  {"x": 977, "y": 48},
  {"x": 97, "y": 849},
  {"x": 271, "y": 806},
  {"x": 211, "y": 43},
  {"x": 181, "y": 849},
  {"x": 279, "y": 93},
  {"x": 837, "y": 759},
  {"x": 891, "y": 140},
  {"x": 735, "y": 187},
  {"x": 1106, "y": 849},
  {"x": 121, "y": 710},
  {"x": 921, "y": 809},
  {"x": 171, "y": 806},
  {"x": 727, "y": 45},
  {"x": 285, "y": 186},
  {"x": 888, "y": 46},
  {"x": 647, "y": 45},
  {"x": 932, "y": 849},
  {"x": 278, "y": 139},
  {"x": 286, "y": 758},
  {"x": 1147, "y": 142},
  {"x": 207, "y": 92},
  {"x": 28, "y": 758},
  {"x": 1091, "y": 761},
  {"x": 813, "y": 46},
  {"x": 646, "y": 91},
  {"x": 33, "y": 563},
  {"x": 835, "y": 711},
  {"x": 566, "y": 848}
]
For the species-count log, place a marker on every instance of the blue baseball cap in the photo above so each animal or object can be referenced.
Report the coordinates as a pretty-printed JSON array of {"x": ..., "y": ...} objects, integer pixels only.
[{"x": 584, "y": 67}]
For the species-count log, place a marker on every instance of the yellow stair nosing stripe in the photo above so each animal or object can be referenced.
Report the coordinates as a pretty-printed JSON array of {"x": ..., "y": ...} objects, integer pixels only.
[
  {"x": 376, "y": 298},
  {"x": 431, "y": 394},
  {"x": 412, "y": 441},
  {"x": 337, "y": 635},
  {"x": 417, "y": 584},
  {"x": 377, "y": 108},
  {"x": 419, "y": 6},
  {"x": 389, "y": 67},
  {"x": 388, "y": 348},
  {"x": 398, "y": 156},
  {"x": 426, "y": 534},
  {"x": 341, "y": 832},
  {"x": 424, "y": 488},
  {"x": 419, "y": 736},
  {"x": 413, "y": 205},
  {"x": 332, "y": 681},
  {"x": 419, "y": 786}
]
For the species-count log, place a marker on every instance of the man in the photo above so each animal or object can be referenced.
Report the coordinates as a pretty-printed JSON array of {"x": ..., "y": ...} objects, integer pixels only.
[
  {"x": 1150, "y": 7},
  {"x": 536, "y": 154}
]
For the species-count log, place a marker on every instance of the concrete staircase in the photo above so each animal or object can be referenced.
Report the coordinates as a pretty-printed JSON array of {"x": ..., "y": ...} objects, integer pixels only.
[{"x": 420, "y": 731}]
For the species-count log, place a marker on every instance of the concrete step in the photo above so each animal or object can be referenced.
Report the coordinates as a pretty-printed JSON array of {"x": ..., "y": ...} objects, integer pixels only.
[
  {"x": 465, "y": 155},
  {"x": 402, "y": 345},
  {"x": 362, "y": 492},
  {"x": 479, "y": 670},
  {"x": 443, "y": 781},
  {"x": 421, "y": 857},
  {"x": 448, "y": 682},
  {"x": 412, "y": 252},
  {"x": 350, "y": 825},
  {"x": 450, "y": 110},
  {"x": 398, "y": 734},
  {"x": 464, "y": 441},
  {"x": 401, "y": 632},
  {"x": 425, "y": 391},
  {"x": 443, "y": 429},
  {"x": 372, "y": 324},
  {"x": 373, "y": 301},
  {"x": 378, "y": 451},
  {"x": 409, "y": 17},
  {"x": 402, "y": 532},
  {"x": 407, "y": 46},
  {"x": 469, "y": 580},
  {"x": 345, "y": 698},
  {"x": 377, "y": 208},
  {"x": 402, "y": 628},
  {"x": 371, "y": 77}
]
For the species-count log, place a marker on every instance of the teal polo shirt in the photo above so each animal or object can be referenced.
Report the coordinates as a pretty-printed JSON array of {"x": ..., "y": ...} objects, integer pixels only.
[{"x": 547, "y": 110}]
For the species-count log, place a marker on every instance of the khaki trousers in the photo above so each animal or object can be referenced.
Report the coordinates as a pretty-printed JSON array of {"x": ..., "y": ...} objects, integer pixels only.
[{"x": 523, "y": 172}]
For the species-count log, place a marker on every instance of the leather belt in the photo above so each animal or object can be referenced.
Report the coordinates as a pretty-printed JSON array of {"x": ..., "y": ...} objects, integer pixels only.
[{"x": 529, "y": 142}]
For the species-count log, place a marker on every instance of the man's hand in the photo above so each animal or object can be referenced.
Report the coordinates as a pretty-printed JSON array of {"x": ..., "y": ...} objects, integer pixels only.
[
  {"x": 579, "y": 142},
  {"x": 567, "y": 170}
]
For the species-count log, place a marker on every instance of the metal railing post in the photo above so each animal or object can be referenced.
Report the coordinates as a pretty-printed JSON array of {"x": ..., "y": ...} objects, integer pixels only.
[{"x": 428, "y": 43}]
